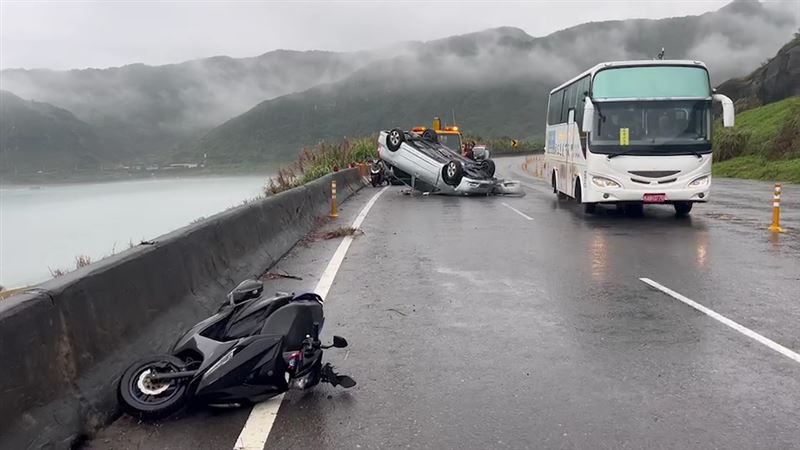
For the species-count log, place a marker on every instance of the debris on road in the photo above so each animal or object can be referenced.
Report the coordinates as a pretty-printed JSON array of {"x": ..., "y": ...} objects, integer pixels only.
[
  {"x": 275, "y": 276},
  {"x": 341, "y": 232}
]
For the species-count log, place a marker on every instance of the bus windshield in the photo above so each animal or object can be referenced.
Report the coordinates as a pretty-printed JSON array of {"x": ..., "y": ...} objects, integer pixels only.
[
  {"x": 651, "y": 127},
  {"x": 651, "y": 82}
]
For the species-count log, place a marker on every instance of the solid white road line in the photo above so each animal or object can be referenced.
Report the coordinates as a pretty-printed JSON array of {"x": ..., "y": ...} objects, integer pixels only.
[
  {"x": 719, "y": 317},
  {"x": 517, "y": 211},
  {"x": 326, "y": 280},
  {"x": 256, "y": 430}
]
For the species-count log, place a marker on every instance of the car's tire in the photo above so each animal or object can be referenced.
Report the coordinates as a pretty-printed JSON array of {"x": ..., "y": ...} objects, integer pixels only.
[
  {"x": 452, "y": 173},
  {"x": 683, "y": 208},
  {"x": 394, "y": 139},
  {"x": 430, "y": 136},
  {"x": 488, "y": 167},
  {"x": 150, "y": 402}
]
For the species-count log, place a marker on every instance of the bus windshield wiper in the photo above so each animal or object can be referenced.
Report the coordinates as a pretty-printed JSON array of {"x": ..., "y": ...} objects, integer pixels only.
[{"x": 624, "y": 152}]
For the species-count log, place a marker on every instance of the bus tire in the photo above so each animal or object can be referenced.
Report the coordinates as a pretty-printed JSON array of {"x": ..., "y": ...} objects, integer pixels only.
[
  {"x": 683, "y": 208},
  {"x": 559, "y": 195},
  {"x": 588, "y": 208}
]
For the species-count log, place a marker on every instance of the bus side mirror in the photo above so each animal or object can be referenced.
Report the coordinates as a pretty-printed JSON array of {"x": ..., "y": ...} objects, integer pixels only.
[
  {"x": 571, "y": 116},
  {"x": 727, "y": 110},
  {"x": 588, "y": 115}
]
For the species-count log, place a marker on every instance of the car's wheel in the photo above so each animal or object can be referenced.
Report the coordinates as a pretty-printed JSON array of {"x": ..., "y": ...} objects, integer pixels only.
[
  {"x": 683, "y": 208},
  {"x": 395, "y": 139},
  {"x": 488, "y": 167},
  {"x": 430, "y": 135},
  {"x": 452, "y": 173},
  {"x": 148, "y": 399}
]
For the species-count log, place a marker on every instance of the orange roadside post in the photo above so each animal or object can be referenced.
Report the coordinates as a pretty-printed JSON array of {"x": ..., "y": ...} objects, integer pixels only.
[
  {"x": 334, "y": 210},
  {"x": 776, "y": 210}
]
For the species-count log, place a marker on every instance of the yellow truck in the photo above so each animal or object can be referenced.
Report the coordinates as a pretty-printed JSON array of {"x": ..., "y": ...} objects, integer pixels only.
[{"x": 449, "y": 136}]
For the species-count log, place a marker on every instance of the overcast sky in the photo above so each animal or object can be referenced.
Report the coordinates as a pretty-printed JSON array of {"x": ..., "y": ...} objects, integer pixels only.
[{"x": 71, "y": 34}]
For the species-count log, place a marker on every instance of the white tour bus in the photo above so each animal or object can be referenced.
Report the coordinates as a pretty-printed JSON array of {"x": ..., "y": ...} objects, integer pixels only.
[{"x": 633, "y": 132}]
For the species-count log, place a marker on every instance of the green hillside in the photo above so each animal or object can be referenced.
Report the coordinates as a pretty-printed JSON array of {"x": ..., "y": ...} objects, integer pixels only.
[
  {"x": 37, "y": 136},
  {"x": 497, "y": 81},
  {"x": 764, "y": 144}
]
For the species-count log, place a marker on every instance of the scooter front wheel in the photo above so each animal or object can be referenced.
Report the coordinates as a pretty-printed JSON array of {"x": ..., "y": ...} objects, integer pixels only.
[{"x": 149, "y": 399}]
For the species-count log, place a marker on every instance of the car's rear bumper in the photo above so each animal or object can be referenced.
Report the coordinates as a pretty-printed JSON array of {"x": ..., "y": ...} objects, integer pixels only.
[{"x": 472, "y": 186}]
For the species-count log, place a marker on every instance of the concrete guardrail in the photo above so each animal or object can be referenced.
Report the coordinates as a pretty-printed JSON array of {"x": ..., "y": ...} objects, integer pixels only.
[{"x": 64, "y": 343}]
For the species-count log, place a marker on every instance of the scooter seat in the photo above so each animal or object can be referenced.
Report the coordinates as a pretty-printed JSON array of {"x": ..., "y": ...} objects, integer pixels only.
[{"x": 248, "y": 321}]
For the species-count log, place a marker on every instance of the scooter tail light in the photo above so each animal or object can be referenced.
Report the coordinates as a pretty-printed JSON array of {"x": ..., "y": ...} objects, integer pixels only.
[{"x": 295, "y": 361}]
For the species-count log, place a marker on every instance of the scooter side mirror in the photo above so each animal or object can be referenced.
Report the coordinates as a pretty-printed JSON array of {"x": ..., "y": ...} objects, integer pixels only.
[
  {"x": 246, "y": 290},
  {"x": 339, "y": 342}
]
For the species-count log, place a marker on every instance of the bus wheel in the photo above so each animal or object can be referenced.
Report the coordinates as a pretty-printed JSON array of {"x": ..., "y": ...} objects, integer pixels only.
[
  {"x": 683, "y": 208},
  {"x": 559, "y": 195},
  {"x": 588, "y": 208}
]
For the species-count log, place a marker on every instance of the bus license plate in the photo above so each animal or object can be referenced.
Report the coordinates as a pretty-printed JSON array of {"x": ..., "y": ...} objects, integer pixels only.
[{"x": 655, "y": 198}]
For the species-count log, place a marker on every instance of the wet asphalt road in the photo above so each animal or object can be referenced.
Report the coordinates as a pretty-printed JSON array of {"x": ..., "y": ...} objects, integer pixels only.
[{"x": 473, "y": 327}]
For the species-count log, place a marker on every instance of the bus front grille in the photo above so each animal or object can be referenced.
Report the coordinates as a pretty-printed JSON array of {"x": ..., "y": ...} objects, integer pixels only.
[{"x": 654, "y": 173}]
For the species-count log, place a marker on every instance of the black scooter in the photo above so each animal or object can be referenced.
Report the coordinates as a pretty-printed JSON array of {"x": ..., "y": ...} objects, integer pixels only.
[
  {"x": 252, "y": 349},
  {"x": 377, "y": 173}
]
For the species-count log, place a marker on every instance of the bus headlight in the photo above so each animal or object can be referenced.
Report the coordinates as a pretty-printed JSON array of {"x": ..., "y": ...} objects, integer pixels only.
[
  {"x": 702, "y": 181},
  {"x": 605, "y": 182}
]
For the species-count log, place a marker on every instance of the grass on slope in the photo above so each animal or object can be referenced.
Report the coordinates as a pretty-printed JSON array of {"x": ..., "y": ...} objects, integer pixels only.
[
  {"x": 320, "y": 161},
  {"x": 764, "y": 144},
  {"x": 756, "y": 167}
]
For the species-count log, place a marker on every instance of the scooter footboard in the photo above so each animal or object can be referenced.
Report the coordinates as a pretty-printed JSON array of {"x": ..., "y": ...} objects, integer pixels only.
[{"x": 253, "y": 369}]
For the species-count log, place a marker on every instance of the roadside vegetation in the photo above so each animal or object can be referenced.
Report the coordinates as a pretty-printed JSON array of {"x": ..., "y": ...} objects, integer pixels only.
[
  {"x": 764, "y": 144},
  {"x": 321, "y": 160}
]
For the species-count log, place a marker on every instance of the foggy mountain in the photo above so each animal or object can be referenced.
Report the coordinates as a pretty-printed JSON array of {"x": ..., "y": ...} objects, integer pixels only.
[
  {"x": 496, "y": 81},
  {"x": 39, "y": 136},
  {"x": 775, "y": 80},
  {"x": 141, "y": 112}
]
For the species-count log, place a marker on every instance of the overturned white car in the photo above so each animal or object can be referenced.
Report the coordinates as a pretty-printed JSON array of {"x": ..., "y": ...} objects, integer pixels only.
[{"x": 423, "y": 163}]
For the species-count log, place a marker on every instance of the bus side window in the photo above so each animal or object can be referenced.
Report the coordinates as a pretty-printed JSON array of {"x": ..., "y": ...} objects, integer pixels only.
[
  {"x": 554, "y": 110},
  {"x": 569, "y": 101},
  {"x": 580, "y": 101}
]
